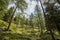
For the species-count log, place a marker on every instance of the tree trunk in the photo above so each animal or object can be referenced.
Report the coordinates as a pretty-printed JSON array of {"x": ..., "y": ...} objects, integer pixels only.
[
  {"x": 40, "y": 26},
  {"x": 50, "y": 28},
  {"x": 51, "y": 32},
  {"x": 11, "y": 20},
  {"x": 47, "y": 23}
]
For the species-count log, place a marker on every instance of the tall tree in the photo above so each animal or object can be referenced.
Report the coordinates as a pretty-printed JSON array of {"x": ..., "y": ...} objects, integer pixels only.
[
  {"x": 39, "y": 19},
  {"x": 53, "y": 12},
  {"x": 48, "y": 26},
  {"x": 19, "y": 4}
]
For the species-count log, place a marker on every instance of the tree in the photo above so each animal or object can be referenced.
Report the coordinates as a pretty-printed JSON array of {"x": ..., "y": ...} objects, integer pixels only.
[
  {"x": 53, "y": 12},
  {"x": 40, "y": 20},
  {"x": 19, "y": 4},
  {"x": 48, "y": 26}
]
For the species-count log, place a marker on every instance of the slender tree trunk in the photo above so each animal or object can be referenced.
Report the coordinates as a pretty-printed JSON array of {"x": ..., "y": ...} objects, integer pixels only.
[
  {"x": 50, "y": 28},
  {"x": 51, "y": 32},
  {"x": 46, "y": 21},
  {"x": 39, "y": 23},
  {"x": 40, "y": 29},
  {"x": 11, "y": 19},
  {"x": 40, "y": 26}
]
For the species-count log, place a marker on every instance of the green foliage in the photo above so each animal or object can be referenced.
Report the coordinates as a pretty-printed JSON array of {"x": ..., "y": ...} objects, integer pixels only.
[
  {"x": 21, "y": 4},
  {"x": 53, "y": 14},
  {"x": 32, "y": 28},
  {"x": 52, "y": 17},
  {"x": 3, "y": 4},
  {"x": 3, "y": 24},
  {"x": 3, "y": 8},
  {"x": 7, "y": 15}
]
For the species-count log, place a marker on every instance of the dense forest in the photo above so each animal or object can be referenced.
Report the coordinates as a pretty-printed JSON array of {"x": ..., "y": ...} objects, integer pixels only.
[{"x": 41, "y": 24}]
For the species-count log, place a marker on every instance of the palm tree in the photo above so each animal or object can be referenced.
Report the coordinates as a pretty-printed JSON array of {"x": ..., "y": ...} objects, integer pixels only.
[{"x": 21, "y": 4}]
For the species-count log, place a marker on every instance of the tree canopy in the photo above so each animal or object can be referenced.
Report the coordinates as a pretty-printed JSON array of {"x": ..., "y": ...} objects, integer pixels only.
[{"x": 40, "y": 25}]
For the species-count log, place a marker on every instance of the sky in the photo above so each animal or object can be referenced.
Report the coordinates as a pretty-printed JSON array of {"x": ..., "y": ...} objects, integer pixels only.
[{"x": 30, "y": 8}]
